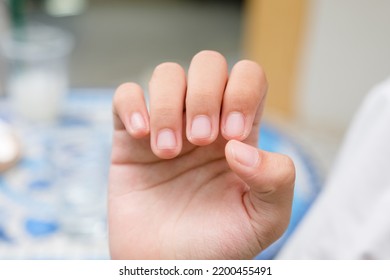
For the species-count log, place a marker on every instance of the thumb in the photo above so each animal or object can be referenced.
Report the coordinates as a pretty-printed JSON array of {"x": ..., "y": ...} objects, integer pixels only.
[{"x": 270, "y": 178}]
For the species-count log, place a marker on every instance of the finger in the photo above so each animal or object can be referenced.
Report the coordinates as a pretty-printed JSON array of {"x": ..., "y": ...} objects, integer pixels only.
[
  {"x": 167, "y": 91},
  {"x": 207, "y": 78},
  {"x": 130, "y": 111},
  {"x": 242, "y": 106},
  {"x": 270, "y": 178}
]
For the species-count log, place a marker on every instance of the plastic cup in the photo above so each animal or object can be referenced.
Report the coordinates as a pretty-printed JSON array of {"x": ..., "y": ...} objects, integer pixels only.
[{"x": 37, "y": 74}]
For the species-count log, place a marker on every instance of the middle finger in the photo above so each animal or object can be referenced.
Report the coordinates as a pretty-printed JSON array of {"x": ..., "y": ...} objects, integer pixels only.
[{"x": 207, "y": 77}]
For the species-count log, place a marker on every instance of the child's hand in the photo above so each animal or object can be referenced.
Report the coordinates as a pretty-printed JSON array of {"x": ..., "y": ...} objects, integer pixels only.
[{"x": 186, "y": 179}]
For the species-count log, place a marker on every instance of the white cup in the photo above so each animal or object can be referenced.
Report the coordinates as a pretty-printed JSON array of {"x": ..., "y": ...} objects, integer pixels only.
[{"x": 37, "y": 79}]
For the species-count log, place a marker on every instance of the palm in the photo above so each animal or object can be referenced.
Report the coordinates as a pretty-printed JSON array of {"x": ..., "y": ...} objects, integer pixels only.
[{"x": 175, "y": 206}]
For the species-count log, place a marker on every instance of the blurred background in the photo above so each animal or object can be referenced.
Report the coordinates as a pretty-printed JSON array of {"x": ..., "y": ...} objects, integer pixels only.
[{"x": 321, "y": 58}]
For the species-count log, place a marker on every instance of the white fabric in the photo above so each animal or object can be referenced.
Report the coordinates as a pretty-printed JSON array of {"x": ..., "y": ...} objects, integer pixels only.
[{"x": 351, "y": 217}]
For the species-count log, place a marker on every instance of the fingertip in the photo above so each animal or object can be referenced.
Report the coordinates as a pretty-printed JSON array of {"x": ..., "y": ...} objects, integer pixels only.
[
  {"x": 130, "y": 110},
  {"x": 249, "y": 162},
  {"x": 242, "y": 156},
  {"x": 271, "y": 176}
]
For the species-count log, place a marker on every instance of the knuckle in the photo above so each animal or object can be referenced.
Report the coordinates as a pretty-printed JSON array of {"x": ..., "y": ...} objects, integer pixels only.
[
  {"x": 247, "y": 63},
  {"x": 209, "y": 54},
  {"x": 248, "y": 81},
  {"x": 170, "y": 73},
  {"x": 167, "y": 67},
  {"x": 287, "y": 171},
  {"x": 123, "y": 92},
  {"x": 122, "y": 87},
  {"x": 253, "y": 67}
]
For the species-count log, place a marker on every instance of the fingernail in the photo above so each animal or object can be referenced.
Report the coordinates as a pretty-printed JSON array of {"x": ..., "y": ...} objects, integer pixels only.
[
  {"x": 235, "y": 124},
  {"x": 137, "y": 122},
  {"x": 245, "y": 154},
  {"x": 201, "y": 127},
  {"x": 166, "y": 139}
]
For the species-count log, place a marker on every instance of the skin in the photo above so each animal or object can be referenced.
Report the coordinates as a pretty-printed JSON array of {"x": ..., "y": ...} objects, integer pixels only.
[{"x": 186, "y": 178}]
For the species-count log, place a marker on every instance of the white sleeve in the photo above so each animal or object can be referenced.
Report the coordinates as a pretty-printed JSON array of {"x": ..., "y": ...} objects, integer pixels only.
[{"x": 351, "y": 217}]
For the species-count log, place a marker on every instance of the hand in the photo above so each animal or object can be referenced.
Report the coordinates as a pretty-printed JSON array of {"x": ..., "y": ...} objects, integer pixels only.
[{"x": 186, "y": 179}]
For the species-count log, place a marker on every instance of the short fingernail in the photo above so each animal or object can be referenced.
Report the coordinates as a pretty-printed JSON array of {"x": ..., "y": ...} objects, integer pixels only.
[
  {"x": 245, "y": 154},
  {"x": 166, "y": 139},
  {"x": 137, "y": 122},
  {"x": 201, "y": 127},
  {"x": 235, "y": 124}
]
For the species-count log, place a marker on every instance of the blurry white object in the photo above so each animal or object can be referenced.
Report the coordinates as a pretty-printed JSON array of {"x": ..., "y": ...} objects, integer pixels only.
[
  {"x": 9, "y": 147},
  {"x": 37, "y": 79},
  {"x": 62, "y": 8},
  {"x": 351, "y": 218},
  {"x": 37, "y": 95}
]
